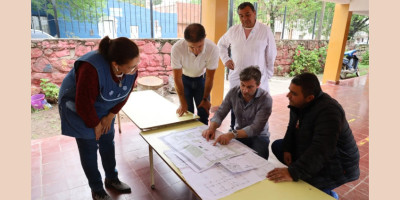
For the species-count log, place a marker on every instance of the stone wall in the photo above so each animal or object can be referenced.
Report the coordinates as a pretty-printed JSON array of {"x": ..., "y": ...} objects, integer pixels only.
[
  {"x": 286, "y": 50},
  {"x": 54, "y": 58},
  {"x": 361, "y": 48}
]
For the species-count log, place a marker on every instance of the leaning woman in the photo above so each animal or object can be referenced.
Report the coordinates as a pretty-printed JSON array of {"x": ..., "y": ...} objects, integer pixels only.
[{"x": 90, "y": 96}]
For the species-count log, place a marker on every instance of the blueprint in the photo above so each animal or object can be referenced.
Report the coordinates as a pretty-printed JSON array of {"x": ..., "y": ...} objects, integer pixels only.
[
  {"x": 243, "y": 162},
  {"x": 199, "y": 153},
  {"x": 217, "y": 182},
  {"x": 214, "y": 171}
]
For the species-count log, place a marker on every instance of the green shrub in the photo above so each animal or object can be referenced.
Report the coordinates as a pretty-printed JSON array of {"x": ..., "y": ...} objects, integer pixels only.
[
  {"x": 279, "y": 69},
  {"x": 307, "y": 61},
  {"x": 50, "y": 90},
  {"x": 365, "y": 58},
  {"x": 322, "y": 56}
]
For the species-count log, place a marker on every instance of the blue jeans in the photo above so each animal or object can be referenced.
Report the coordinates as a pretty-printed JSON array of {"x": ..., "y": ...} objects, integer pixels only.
[
  {"x": 332, "y": 193},
  {"x": 257, "y": 143},
  {"x": 194, "y": 90},
  {"x": 277, "y": 149},
  {"x": 88, "y": 154}
]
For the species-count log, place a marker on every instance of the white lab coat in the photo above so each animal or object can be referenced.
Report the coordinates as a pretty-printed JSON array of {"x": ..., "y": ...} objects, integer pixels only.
[{"x": 258, "y": 49}]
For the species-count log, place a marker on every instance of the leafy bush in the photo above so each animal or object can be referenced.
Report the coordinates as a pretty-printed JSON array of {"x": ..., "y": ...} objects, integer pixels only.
[
  {"x": 322, "y": 56},
  {"x": 307, "y": 61},
  {"x": 50, "y": 90},
  {"x": 365, "y": 58},
  {"x": 279, "y": 69}
]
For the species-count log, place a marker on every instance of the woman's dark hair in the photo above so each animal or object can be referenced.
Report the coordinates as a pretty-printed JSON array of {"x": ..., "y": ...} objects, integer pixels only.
[
  {"x": 309, "y": 84},
  {"x": 251, "y": 72},
  {"x": 194, "y": 33},
  {"x": 121, "y": 50},
  {"x": 244, "y": 5}
]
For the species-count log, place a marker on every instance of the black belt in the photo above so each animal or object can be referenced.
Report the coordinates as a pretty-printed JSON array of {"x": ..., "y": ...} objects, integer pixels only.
[{"x": 194, "y": 78}]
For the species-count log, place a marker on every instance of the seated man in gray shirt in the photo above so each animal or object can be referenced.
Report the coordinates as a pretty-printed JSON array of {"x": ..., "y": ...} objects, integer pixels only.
[{"x": 252, "y": 106}]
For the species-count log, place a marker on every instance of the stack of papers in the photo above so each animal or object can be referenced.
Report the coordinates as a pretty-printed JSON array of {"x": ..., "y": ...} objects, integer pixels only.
[{"x": 214, "y": 171}]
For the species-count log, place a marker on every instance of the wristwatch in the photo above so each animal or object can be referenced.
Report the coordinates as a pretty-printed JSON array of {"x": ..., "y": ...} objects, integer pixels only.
[{"x": 235, "y": 133}]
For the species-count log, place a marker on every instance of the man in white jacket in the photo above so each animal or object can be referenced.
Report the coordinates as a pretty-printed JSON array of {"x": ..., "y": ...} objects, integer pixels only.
[{"x": 251, "y": 43}]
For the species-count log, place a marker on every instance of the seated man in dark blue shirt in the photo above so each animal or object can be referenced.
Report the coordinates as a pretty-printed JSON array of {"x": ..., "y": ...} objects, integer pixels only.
[{"x": 252, "y": 106}]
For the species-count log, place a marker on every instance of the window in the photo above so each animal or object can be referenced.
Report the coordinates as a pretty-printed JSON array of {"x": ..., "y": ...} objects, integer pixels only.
[
  {"x": 40, "y": 23},
  {"x": 134, "y": 33},
  {"x": 108, "y": 26},
  {"x": 115, "y": 12},
  {"x": 157, "y": 29}
]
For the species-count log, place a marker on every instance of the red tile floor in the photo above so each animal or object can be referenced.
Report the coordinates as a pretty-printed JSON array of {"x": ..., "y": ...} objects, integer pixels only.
[{"x": 56, "y": 172}]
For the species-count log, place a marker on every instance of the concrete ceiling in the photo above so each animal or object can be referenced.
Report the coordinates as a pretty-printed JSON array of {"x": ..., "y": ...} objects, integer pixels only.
[{"x": 359, "y": 7}]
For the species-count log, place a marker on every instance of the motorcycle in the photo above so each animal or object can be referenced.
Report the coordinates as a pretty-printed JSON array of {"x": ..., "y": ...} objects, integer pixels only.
[{"x": 349, "y": 64}]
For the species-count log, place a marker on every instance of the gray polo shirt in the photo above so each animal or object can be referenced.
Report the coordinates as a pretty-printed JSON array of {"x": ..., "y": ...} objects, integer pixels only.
[{"x": 252, "y": 117}]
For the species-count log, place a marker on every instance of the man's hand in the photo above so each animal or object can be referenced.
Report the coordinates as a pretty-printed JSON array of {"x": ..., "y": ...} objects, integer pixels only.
[
  {"x": 98, "y": 130},
  {"x": 279, "y": 175},
  {"x": 106, "y": 122},
  {"x": 183, "y": 108},
  {"x": 287, "y": 158},
  {"x": 229, "y": 64},
  {"x": 208, "y": 134},
  {"x": 224, "y": 139},
  {"x": 206, "y": 105}
]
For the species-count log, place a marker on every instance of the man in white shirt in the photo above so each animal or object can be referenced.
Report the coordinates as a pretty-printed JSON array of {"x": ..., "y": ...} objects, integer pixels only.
[
  {"x": 194, "y": 61},
  {"x": 251, "y": 43}
]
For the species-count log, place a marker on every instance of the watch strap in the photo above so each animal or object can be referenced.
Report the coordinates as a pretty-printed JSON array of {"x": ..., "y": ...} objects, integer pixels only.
[{"x": 235, "y": 133}]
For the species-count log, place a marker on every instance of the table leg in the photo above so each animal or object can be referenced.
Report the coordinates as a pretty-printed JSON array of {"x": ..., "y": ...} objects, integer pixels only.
[{"x": 151, "y": 167}]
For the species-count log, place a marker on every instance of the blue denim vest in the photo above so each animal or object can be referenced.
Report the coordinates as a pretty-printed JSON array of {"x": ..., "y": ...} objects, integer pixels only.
[{"x": 110, "y": 95}]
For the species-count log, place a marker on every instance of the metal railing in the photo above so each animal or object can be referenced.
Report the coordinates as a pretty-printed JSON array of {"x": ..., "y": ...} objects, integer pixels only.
[
  {"x": 281, "y": 26},
  {"x": 116, "y": 18},
  {"x": 154, "y": 18}
]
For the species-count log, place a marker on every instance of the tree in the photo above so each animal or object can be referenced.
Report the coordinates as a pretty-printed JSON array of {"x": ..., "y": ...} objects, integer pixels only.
[
  {"x": 79, "y": 10},
  {"x": 195, "y": 1},
  {"x": 328, "y": 18},
  {"x": 300, "y": 14},
  {"x": 82, "y": 10},
  {"x": 157, "y": 2},
  {"x": 358, "y": 23},
  {"x": 274, "y": 10},
  {"x": 324, "y": 19},
  {"x": 321, "y": 19},
  {"x": 267, "y": 11}
]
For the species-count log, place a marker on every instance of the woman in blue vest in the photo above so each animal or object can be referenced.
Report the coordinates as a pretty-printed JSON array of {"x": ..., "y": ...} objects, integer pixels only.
[{"x": 90, "y": 96}]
